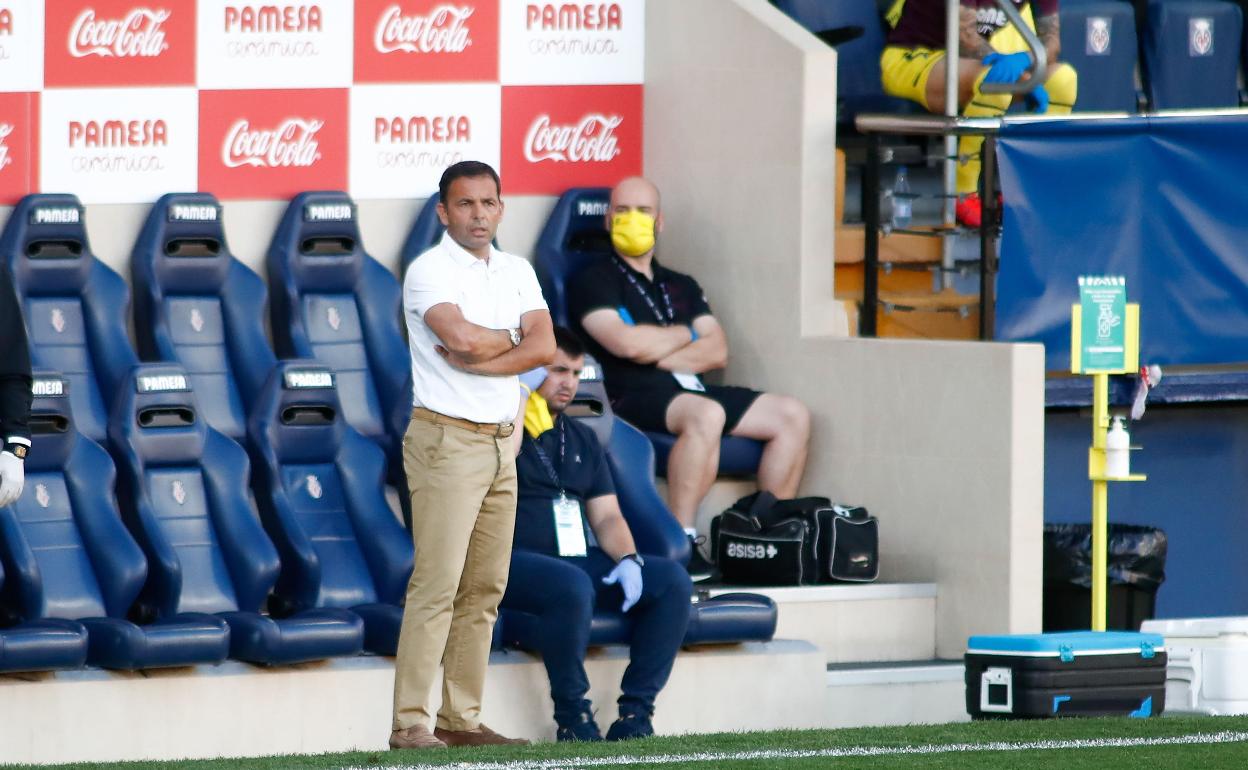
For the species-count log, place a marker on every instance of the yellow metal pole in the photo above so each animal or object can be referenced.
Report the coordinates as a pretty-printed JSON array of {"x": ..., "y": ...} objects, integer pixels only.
[{"x": 1100, "y": 499}]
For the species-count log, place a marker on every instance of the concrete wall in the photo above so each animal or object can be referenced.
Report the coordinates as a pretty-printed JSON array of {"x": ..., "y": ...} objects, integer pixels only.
[
  {"x": 943, "y": 441},
  {"x": 249, "y": 226}
]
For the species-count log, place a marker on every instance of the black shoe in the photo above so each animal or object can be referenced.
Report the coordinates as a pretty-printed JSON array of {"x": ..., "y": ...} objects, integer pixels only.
[
  {"x": 699, "y": 568},
  {"x": 630, "y": 725},
  {"x": 582, "y": 728}
]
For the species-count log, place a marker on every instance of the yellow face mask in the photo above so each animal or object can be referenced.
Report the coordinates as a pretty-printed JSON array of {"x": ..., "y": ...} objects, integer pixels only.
[
  {"x": 537, "y": 418},
  {"x": 632, "y": 233}
]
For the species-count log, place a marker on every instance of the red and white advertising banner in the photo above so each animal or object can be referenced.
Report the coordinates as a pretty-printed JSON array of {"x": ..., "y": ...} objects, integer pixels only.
[
  {"x": 274, "y": 45},
  {"x": 420, "y": 41},
  {"x": 272, "y": 144},
  {"x": 556, "y": 137},
  {"x": 119, "y": 43},
  {"x": 21, "y": 45},
  {"x": 19, "y": 146},
  {"x": 118, "y": 145},
  {"x": 554, "y": 43},
  {"x": 404, "y": 137}
]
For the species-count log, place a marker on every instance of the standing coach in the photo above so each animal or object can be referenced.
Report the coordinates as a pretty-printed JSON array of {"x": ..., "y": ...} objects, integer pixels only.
[
  {"x": 475, "y": 319},
  {"x": 15, "y": 394}
]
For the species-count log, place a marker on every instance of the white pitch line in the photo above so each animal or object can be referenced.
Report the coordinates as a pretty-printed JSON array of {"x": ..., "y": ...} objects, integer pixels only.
[{"x": 848, "y": 751}]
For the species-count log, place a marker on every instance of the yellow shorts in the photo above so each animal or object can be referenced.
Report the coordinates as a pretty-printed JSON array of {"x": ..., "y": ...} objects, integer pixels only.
[{"x": 904, "y": 71}]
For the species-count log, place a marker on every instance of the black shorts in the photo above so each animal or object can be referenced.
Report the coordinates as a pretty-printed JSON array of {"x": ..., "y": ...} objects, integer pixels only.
[{"x": 646, "y": 408}]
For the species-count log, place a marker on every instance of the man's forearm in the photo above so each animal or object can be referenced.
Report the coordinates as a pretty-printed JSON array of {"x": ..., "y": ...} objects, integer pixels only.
[
  {"x": 484, "y": 344},
  {"x": 971, "y": 44},
  {"x": 536, "y": 349},
  {"x": 614, "y": 537},
  {"x": 697, "y": 357},
  {"x": 650, "y": 344},
  {"x": 1049, "y": 30}
]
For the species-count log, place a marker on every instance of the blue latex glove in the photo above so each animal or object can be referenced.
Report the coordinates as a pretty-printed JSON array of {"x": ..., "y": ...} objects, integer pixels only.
[
  {"x": 1006, "y": 67},
  {"x": 533, "y": 378},
  {"x": 1038, "y": 100},
  {"x": 628, "y": 574}
]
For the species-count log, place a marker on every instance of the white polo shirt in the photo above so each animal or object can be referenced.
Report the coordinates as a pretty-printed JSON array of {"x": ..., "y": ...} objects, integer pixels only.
[{"x": 493, "y": 295}]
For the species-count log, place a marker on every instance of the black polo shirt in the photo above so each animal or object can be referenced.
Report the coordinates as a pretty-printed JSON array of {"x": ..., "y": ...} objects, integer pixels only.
[
  {"x": 602, "y": 284},
  {"x": 583, "y": 474}
]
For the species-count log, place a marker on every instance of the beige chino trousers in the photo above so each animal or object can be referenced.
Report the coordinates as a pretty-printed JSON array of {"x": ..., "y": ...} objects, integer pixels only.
[{"x": 463, "y": 488}]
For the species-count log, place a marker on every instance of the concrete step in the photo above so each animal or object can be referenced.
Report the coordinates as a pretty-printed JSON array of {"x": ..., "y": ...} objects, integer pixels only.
[
  {"x": 901, "y": 693},
  {"x": 856, "y": 622},
  {"x": 235, "y": 710}
]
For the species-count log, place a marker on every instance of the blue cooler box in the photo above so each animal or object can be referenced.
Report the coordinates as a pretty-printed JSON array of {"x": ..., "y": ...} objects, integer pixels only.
[{"x": 1077, "y": 673}]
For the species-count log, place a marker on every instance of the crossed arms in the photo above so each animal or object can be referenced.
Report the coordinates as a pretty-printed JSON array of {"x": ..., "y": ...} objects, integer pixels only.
[{"x": 671, "y": 348}]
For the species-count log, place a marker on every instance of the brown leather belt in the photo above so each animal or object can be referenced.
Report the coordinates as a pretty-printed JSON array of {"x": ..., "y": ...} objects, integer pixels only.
[{"x": 496, "y": 429}]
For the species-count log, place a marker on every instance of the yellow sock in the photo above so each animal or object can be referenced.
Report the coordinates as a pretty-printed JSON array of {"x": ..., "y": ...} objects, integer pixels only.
[{"x": 981, "y": 105}]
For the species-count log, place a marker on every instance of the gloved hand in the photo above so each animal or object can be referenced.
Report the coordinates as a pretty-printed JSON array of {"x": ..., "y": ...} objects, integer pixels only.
[
  {"x": 1038, "y": 100},
  {"x": 1006, "y": 67},
  {"x": 13, "y": 478},
  {"x": 628, "y": 574}
]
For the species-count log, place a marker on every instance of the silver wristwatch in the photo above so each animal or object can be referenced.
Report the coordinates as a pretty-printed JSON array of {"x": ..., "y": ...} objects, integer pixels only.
[{"x": 515, "y": 337}]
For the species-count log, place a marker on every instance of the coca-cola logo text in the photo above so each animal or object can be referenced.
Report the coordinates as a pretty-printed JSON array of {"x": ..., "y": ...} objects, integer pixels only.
[
  {"x": 291, "y": 144},
  {"x": 5, "y": 130},
  {"x": 118, "y": 133},
  {"x": 6, "y": 21},
  {"x": 419, "y": 129},
  {"x": 589, "y": 141},
  {"x": 443, "y": 30},
  {"x": 580, "y": 17},
  {"x": 273, "y": 18},
  {"x": 139, "y": 33}
]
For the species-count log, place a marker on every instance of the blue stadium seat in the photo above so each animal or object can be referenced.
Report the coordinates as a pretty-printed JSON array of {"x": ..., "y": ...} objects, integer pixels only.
[
  {"x": 576, "y": 233},
  {"x": 184, "y": 490},
  {"x": 75, "y": 305},
  {"x": 858, "y": 86},
  {"x": 1098, "y": 40},
  {"x": 426, "y": 231},
  {"x": 67, "y": 554},
  {"x": 45, "y": 644},
  {"x": 1191, "y": 53},
  {"x": 734, "y": 617},
  {"x": 333, "y": 302},
  {"x": 319, "y": 488},
  {"x": 195, "y": 304}
]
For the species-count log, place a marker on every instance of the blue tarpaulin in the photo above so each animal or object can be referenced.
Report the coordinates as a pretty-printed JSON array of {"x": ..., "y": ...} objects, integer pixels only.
[{"x": 1162, "y": 200}]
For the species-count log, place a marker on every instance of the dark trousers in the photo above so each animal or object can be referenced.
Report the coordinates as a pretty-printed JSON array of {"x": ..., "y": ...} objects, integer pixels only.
[{"x": 563, "y": 592}]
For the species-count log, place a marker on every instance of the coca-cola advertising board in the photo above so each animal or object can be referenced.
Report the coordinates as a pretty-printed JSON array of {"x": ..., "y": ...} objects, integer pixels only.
[
  {"x": 119, "y": 43},
  {"x": 420, "y": 41},
  {"x": 274, "y": 45},
  {"x": 272, "y": 144},
  {"x": 554, "y": 43},
  {"x": 19, "y": 146},
  {"x": 404, "y": 137},
  {"x": 556, "y": 137},
  {"x": 118, "y": 145},
  {"x": 21, "y": 45}
]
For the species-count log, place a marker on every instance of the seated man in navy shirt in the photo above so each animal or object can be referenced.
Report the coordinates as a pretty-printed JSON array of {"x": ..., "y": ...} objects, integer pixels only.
[
  {"x": 573, "y": 551},
  {"x": 652, "y": 330}
]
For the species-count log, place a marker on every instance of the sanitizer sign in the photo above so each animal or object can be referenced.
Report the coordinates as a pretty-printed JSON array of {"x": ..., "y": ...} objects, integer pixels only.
[{"x": 1103, "y": 310}]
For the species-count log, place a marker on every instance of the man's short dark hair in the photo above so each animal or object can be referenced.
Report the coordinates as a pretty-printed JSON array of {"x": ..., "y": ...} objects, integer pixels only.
[
  {"x": 467, "y": 168},
  {"x": 567, "y": 341}
]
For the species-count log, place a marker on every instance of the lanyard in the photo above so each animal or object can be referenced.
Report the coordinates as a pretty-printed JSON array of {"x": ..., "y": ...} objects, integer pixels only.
[
  {"x": 548, "y": 464},
  {"x": 667, "y": 320}
]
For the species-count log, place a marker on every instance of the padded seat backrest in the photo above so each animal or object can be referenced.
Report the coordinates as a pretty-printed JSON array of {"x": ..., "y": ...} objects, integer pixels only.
[
  {"x": 319, "y": 489},
  {"x": 575, "y": 232},
  {"x": 858, "y": 24},
  {"x": 195, "y": 304},
  {"x": 184, "y": 488},
  {"x": 426, "y": 231},
  {"x": 75, "y": 306},
  {"x": 631, "y": 459},
  {"x": 65, "y": 550},
  {"x": 1098, "y": 40},
  {"x": 335, "y": 303},
  {"x": 1191, "y": 53}
]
